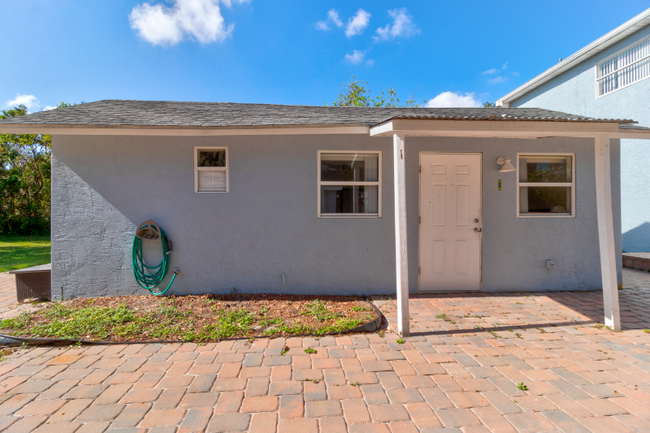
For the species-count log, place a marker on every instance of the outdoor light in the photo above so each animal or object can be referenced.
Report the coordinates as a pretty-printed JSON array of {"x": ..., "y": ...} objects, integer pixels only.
[{"x": 505, "y": 165}]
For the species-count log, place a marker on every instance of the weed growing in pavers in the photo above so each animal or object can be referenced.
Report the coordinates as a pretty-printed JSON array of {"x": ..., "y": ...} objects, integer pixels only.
[
  {"x": 519, "y": 335},
  {"x": 311, "y": 351},
  {"x": 401, "y": 341},
  {"x": 541, "y": 330},
  {"x": 284, "y": 350},
  {"x": 519, "y": 303},
  {"x": 477, "y": 327},
  {"x": 4, "y": 353},
  {"x": 522, "y": 387},
  {"x": 314, "y": 381},
  {"x": 647, "y": 331},
  {"x": 355, "y": 384},
  {"x": 494, "y": 334},
  {"x": 382, "y": 333},
  {"x": 599, "y": 325},
  {"x": 445, "y": 318}
]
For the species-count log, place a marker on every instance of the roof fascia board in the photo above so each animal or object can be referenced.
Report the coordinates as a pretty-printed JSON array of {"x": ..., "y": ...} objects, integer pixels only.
[
  {"x": 619, "y": 33},
  {"x": 486, "y": 128},
  {"x": 632, "y": 134},
  {"x": 178, "y": 132}
]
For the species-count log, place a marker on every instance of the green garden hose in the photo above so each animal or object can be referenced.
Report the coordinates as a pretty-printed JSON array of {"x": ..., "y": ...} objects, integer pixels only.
[{"x": 149, "y": 277}]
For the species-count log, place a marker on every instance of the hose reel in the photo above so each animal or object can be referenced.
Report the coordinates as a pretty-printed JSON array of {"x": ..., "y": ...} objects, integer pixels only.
[{"x": 150, "y": 277}]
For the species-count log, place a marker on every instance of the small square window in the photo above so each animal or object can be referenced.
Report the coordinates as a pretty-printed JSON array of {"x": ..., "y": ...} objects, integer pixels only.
[
  {"x": 546, "y": 185},
  {"x": 211, "y": 169},
  {"x": 349, "y": 184}
]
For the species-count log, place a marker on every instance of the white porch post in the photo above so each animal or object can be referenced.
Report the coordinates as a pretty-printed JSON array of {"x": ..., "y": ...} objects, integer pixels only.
[
  {"x": 401, "y": 253},
  {"x": 606, "y": 232}
]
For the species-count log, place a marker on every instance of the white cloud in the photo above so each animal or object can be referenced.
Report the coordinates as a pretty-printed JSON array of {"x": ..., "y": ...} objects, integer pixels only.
[
  {"x": 333, "y": 17},
  {"x": 497, "y": 80},
  {"x": 402, "y": 26},
  {"x": 49, "y": 107},
  {"x": 197, "y": 19},
  {"x": 455, "y": 99},
  {"x": 495, "y": 70},
  {"x": 356, "y": 57},
  {"x": 228, "y": 3},
  {"x": 370, "y": 62},
  {"x": 358, "y": 23},
  {"x": 28, "y": 101},
  {"x": 516, "y": 74}
]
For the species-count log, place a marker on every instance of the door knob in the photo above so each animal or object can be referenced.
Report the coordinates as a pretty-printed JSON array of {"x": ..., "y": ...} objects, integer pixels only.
[
  {"x": 477, "y": 230},
  {"x": 475, "y": 220}
]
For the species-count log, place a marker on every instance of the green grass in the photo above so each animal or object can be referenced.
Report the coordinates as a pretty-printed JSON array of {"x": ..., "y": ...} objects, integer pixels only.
[
  {"x": 165, "y": 322},
  {"x": 17, "y": 252}
]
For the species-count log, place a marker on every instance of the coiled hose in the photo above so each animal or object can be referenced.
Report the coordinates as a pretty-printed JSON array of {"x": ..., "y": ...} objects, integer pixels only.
[{"x": 150, "y": 277}]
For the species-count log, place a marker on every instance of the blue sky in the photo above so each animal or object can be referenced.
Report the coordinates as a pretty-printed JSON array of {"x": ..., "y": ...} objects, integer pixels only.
[{"x": 287, "y": 52}]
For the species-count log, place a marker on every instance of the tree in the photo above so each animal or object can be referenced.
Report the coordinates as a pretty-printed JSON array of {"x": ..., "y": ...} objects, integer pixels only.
[
  {"x": 25, "y": 175},
  {"x": 489, "y": 105},
  {"x": 355, "y": 94}
]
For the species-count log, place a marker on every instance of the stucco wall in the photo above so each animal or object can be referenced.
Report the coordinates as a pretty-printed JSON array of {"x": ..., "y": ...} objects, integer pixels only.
[
  {"x": 103, "y": 187},
  {"x": 575, "y": 92}
]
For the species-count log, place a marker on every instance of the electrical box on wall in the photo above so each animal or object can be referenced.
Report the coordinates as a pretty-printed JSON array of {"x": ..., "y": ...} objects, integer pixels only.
[{"x": 550, "y": 264}]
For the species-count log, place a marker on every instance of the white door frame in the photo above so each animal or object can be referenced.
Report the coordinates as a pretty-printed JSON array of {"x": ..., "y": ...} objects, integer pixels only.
[{"x": 480, "y": 241}]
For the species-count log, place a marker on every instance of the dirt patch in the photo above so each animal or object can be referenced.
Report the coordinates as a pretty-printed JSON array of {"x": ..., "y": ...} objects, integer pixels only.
[{"x": 191, "y": 318}]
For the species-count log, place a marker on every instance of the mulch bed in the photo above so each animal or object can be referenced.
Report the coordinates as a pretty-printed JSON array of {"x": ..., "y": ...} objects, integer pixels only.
[{"x": 200, "y": 318}]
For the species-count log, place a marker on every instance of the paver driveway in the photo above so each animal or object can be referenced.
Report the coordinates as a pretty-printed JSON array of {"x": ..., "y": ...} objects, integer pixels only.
[{"x": 457, "y": 373}]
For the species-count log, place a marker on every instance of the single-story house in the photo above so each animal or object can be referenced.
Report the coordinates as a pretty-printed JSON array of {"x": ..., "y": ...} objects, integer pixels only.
[
  {"x": 607, "y": 78},
  {"x": 335, "y": 200}
]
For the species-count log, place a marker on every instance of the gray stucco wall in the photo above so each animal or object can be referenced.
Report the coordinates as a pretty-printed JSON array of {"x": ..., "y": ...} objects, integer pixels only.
[
  {"x": 103, "y": 187},
  {"x": 575, "y": 92}
]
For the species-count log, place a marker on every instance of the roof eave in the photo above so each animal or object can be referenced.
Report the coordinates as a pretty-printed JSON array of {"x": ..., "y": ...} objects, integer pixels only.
[
  {"x": 619, "y": 33},
  {"x": 170, "y": 130}
]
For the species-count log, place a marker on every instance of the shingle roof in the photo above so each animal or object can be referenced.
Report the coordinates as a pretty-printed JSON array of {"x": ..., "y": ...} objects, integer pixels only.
[{"x": 109, "y": 113}]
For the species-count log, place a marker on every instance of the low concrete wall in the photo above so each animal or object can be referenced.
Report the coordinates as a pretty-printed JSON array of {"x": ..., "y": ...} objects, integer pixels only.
[{"x": 639, "y": 261}]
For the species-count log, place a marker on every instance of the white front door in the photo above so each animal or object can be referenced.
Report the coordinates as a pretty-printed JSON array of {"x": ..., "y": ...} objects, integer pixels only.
[{"x": 450, "y": 222}]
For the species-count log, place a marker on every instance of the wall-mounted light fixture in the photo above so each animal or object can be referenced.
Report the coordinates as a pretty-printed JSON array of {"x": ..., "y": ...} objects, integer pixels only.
[{"x": 505, "y": 165}]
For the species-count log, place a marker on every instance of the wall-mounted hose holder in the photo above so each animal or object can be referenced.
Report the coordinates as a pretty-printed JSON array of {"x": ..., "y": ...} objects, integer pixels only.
[{"x": 150, "y": 277}]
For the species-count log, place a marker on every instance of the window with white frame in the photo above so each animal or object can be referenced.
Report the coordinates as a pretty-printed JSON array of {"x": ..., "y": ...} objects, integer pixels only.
[
  {"x": 349, "y": 183},
  {"x": 211, "y": 169},
  {"x": 623, "y": 68},
  {"x": 546, "y": 185}
]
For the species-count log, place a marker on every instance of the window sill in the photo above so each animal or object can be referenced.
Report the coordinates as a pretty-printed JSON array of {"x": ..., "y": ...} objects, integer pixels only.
[
  {"x": 354, "y": 216},
  {"x": 547, "y": 216}
]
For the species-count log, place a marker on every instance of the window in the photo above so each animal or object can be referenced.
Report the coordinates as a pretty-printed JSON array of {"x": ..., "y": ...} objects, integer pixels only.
[
  {"x": 349, "y": 184},
  {"x": 210, "y": 169},
  {"x": 624, "y": 68},
  {"x": 546, "y": 185}
]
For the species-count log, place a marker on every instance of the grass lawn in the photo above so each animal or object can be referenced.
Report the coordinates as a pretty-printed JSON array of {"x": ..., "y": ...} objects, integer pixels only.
[{"x": 18, "y": 252}]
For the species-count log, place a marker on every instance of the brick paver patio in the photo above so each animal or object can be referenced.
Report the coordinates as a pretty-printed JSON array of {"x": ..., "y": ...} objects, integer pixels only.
[{"x": 457, "y": 373}]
